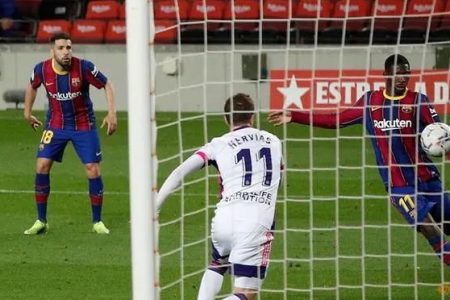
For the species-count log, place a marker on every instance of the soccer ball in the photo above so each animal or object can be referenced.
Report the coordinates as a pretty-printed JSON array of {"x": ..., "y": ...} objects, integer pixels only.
[{"x": 435, "y": 139}]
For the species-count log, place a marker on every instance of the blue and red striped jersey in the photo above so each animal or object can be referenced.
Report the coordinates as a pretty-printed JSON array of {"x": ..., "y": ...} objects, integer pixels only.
[
  {"x": 70, "y": 107},
  {"x": 393, "y": 124}
]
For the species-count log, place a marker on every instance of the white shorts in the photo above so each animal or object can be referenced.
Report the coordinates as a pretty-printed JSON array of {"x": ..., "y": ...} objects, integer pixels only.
[{"x": 246, "y": 246}]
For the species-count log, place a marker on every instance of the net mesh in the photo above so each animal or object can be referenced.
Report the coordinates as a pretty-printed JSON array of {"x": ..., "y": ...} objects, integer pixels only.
[{"x": 336, "y": 236}]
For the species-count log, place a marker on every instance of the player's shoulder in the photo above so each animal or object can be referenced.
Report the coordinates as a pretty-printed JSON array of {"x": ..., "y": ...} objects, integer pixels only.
[{"x": 43, "y": 63}]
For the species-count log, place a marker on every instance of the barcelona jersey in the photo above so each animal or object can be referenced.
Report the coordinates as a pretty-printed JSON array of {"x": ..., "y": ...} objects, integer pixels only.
[
  {"x": 70, "y": 107},
  {"x": 393, "y": 124}
]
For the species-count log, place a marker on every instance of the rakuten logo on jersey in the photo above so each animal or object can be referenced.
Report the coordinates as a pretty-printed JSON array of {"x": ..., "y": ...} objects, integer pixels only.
[
  {"x": 332, "y": 90},
  {"x": 386, "y": 125},
  {"x": 64, "y": 96}
]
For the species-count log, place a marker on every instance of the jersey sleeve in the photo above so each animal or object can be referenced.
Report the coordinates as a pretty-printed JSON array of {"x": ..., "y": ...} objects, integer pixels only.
[
  {"x": 36, "y": 76},
  {"x": 93, "y": 75},
  {"x": 207, "y": 152},
  {"x": 175, "y": 178},
  {"x": 350, "y": 116},
  {"x": 427, "y": 111}
]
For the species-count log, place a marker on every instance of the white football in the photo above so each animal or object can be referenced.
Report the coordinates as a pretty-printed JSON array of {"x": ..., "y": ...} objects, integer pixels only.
[{"x": 435, "y": 139}]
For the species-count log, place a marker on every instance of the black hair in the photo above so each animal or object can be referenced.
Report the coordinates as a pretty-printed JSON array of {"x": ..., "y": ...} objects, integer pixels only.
[{"x": 395, "y": 60}]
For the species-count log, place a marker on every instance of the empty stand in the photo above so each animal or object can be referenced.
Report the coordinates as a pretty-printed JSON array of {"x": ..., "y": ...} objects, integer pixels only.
[
  {"x": 442, "y": 31},
  {"x": 310, "y": 17},
  {"x": 169, "y": 10},
  {"x": 116, "y": 32},
  {"x": 387, "y": 21},
  {"x": 240, "y": 17},
  {"x": 59, "y": 9},
  {"x": 203, "y": 15},
  {"x": 88, "y": 31},
  {"x": 28, "y": 9},
  {"x": 166, "y": 31},
  {"x": 355, "y": 16},
  {"x": 47, "y": 28},
  {"x": 103, "y": 10},
  {"x": 419, "y": 15}
]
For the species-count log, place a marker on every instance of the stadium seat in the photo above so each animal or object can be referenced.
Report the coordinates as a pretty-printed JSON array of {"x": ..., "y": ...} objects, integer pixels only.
[
  {"x": 47, "y": 28},
  {"x": 352, "y": 13},
  {"x": 98, "y": 9},
  {"x": 203, "y": 14},
  {"x": 415, "y": 27},
  {"x": 308, "y": 15},
  {"x": 59, "y": 9},
  {"x": 168, "y": 10},
  {"x": 276, "y": 15},
  {"x": 387, "y": 21},
  {"x": 116, "y": 32},
  {"x": 122, "y": 11},
  {"x": 88, "y": 31},
  {"x": 28, "y": 9},
  {"x": 243, "y": 20},
  {"x": 166, "y": 31},
  {"x": 442, "y": 32}
]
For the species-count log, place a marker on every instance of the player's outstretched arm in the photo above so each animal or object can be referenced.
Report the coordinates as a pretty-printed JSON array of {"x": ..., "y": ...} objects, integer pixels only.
[
  {"x": 111, "y": 118},
  {"x": 190, "y": 165},
  {"x": 30, "y": 97},
  {"x": 279, "y": 117}
]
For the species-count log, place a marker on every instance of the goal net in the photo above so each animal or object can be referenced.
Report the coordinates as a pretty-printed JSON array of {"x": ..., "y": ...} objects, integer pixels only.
[{"x": 337, "y": 236}]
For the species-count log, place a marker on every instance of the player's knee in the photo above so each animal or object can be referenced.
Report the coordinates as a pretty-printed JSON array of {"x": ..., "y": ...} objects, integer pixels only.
[
  {"x": 43, "y": 166},
  {"x": 92, "y": 170}
]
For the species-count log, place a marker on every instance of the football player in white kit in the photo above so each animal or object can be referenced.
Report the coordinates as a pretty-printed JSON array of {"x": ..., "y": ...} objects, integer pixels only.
[{"x": 249, "y": 162}]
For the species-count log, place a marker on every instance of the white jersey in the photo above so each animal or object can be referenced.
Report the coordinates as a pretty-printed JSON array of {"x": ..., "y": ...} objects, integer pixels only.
[{"x": 249, "y": 162}]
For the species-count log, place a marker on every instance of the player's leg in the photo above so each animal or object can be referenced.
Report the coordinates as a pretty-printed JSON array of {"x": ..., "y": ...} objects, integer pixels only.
[
  {"x": 249, "y": 260},
  {"x": 416, "y": 211},
  {"x": 441, "y": 210},
  {"x": 87, "y": 147},
  {"x": 51, "y": 148},
  {"x": 221, "y": 241}
]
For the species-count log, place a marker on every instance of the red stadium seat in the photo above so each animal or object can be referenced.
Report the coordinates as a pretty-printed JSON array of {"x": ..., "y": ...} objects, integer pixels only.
[
  {"x": 166, "y": 31},
  {"x": 243, "y": 16},
  {"x": 116, "y": 32},
  {"x": 442, "y": 32},
  {"x": 168, "y": 10},
  {"x": 205, "y": 13},
  {"x": 122, "y": 11},
  {"x": 108, "y": 9},
  {"x": 47, "y": 28},
  {"x": 387, "y": 19},
  {"x": 415, "y": 26},
  {"x": 352, "y": 13},
  {"x": 277, "y": 15},
  {"x": 308, "y": 14},
  {"x": 88, "y": 31}
]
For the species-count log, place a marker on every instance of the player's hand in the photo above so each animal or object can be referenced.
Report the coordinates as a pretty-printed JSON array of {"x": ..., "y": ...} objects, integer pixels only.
[
  {"x": 279, "y": 117},
  {"x": 111, "y": 121},
  {"x": 34, "y": 122}
]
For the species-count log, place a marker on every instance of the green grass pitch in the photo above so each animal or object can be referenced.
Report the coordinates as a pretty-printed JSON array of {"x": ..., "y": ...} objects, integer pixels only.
[{"x": 334, "y": 245}]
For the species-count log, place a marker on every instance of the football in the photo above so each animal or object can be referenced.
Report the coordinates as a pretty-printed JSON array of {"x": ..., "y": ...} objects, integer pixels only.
[{"x": 435, "y": 139}]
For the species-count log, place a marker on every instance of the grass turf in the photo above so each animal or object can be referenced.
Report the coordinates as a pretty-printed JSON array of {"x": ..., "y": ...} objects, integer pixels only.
[{"x": 335, "y": 242}]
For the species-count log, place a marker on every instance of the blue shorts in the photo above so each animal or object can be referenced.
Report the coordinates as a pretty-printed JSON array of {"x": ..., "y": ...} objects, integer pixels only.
[
  {"x": 430, "y": 198},
  {"x": 86, "y": 144}
]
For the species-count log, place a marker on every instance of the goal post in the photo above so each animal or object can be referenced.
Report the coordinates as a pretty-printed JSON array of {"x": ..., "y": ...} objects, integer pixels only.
[{"x": 337, "y": 236}]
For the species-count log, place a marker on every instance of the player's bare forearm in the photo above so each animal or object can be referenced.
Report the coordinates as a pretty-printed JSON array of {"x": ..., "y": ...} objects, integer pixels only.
[
  {"x": 30, "y": 96},
  {"x": 111, "y": 118}
]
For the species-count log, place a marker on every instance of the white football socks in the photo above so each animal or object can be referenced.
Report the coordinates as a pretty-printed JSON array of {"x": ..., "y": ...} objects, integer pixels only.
[{"x": 210, "y": 285}]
